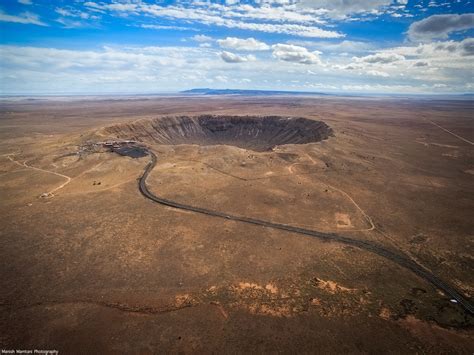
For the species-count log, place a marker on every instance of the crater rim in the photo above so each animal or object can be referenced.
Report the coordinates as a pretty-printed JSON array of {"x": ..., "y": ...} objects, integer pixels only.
[{"x": 257, "y": 133}]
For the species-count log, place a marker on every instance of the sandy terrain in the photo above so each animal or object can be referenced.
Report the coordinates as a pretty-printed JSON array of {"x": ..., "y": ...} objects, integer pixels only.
[{"x": 96, "y": 267}]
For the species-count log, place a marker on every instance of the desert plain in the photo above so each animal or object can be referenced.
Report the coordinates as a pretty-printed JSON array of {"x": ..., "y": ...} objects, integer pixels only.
[{"x": 89, "y": 265}]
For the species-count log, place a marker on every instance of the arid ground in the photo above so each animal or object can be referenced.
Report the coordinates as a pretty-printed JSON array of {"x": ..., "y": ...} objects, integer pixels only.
[{"x": 95, "y": 267}]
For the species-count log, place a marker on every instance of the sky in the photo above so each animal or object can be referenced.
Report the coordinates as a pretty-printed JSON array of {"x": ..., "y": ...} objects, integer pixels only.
[{"x": 144, "y": 46}]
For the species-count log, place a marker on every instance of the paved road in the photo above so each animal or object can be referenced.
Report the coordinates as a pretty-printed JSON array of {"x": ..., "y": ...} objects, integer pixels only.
[{"x": 372, "y": 247}]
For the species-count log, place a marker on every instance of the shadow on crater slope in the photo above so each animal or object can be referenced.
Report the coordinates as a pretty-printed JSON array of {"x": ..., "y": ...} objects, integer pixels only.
[{"x": 248, "y": 132}]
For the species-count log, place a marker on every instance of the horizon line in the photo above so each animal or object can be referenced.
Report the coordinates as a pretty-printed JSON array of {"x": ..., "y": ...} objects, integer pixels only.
[{"x": 186, "y": 92}]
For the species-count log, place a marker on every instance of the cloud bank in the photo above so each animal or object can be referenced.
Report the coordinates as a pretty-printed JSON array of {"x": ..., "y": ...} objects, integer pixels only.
[{"x": 439, "y": 26}]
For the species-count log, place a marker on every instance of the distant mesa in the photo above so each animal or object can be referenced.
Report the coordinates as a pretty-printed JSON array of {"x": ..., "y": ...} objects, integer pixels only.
[
  {"x": 247, "y": 132},
  {"x": 207, "y": 91}
]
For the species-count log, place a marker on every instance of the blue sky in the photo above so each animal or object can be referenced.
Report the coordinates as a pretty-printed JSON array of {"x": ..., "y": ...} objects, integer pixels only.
[{"x": 143, "y": 46}]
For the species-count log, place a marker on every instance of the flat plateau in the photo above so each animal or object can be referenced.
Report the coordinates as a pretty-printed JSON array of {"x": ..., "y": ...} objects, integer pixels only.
[{"x": 90, "y": 265}]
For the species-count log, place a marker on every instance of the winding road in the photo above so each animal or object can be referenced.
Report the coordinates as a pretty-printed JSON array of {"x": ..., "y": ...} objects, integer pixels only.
[{"x": 395, "y": 256}]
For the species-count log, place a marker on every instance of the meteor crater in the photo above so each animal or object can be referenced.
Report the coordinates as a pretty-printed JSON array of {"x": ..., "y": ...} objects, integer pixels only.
[{"x": 255, "y": 133}]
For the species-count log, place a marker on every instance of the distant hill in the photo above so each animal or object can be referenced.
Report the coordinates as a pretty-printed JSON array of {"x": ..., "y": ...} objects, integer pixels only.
[{"x": 207, "y": 91}]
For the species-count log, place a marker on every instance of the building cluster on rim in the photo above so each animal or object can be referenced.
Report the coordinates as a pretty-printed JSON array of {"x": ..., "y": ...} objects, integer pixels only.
[{"x": 115, "y": 144}]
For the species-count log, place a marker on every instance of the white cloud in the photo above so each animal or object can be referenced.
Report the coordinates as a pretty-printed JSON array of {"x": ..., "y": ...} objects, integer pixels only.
[
  {"x": 381, "y": 58},
  {"x": 335, "y": 47},
  {"x": 24, "y": 18},
  {"x": 71, "y": 12},
  {"x": 342, "y": 8},
  {"x": 439, "y": 26},
  {"x": 334, "y": 9},
  {"x": 221, "y": 78},
  {"x": 295, "y": 54},
  {"x": 218, "y": 15},
  {"x": 163, "y": 27},
  {"x": 291, "y": 29},
  {"x": 63, "y": 12},
  {"x": 448, "y": 62},
  {"x": 68, "y": 23},
  {"x": 409, "y": 68},
  {"x": 266, "y": 12},
  {"x": 446, "y": 51},
  {"x": 229, "y": 57},
  {"x": 377, "y": 73},
  {"x": 379, "y": 88},
  {"x": 138, "y": 69},
  {"x": 25, "y": 2},
  {"x": 201, "y": 38},
  {"x": 73, "y": 18},
  {"x": 249, "y": 44}
]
